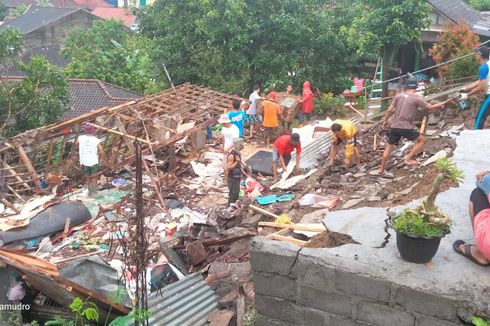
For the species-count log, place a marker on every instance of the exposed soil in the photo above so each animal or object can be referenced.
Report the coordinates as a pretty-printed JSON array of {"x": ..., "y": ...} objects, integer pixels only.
[{"x": 329, "y": 239}]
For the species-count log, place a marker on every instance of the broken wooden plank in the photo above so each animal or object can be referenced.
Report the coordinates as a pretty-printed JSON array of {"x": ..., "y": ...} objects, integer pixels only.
[
  {"x": 9, "y": 205},
  {"x": 25, "y": 159},
  {"x": 298, "y": 227},
  {"x": 263, "y": 211},
  {"x": 300, "y": 243},
  {"x": 120, "y": 133},
  {"x": 13, "y": 173}
]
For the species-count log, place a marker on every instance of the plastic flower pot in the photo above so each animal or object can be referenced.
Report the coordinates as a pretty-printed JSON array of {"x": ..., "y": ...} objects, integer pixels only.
[{"x": 418, "y": 250}]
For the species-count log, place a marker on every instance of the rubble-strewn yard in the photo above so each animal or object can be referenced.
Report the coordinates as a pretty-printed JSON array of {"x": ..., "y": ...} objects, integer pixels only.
[{"x": 189, "y": 229}]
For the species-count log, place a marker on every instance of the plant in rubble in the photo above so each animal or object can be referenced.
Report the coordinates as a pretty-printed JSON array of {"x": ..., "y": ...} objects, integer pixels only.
[
  {"x": 427, "y": 220},
  {"x": 478, "y": 321},
  {"x": 330, "y": 104}
]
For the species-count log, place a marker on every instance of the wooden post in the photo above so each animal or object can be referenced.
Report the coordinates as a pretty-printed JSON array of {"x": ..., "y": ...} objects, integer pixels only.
[
  {"x": 9, "y": 205},
  {"x": 171, "y": 157},
  {"x": 423, "y": 125},
  {"x": 25, "y": 159}
]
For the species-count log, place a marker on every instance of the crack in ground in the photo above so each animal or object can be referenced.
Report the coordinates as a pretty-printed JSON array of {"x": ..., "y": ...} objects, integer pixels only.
[
  {"x": 295, "y": 261},
  {"x": 388, "y": 235}
]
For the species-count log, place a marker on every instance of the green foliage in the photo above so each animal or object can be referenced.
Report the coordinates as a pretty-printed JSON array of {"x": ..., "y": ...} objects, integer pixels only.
[
  {"x": 250, "y": 318},
  {"x": 110, "y": 52},
  {"x": 481, "y": 5},
  {"x": 35, "y": 100},
  {"x": 19, "y": 10},
  {"x": 450, "y": 169},
  {"x": 330, "y": 104},
  {"x": 455, "y": 41},
  {"x": 386, "y": 23},
  {"x": 478, "y": 321},
  {"x": 233, "y": 44},
  {"x": 3, "y": 11},
  {"x": 410, "y": 222}
]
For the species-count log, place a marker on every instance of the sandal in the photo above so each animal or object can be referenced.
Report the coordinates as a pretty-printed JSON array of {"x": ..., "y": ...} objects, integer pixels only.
[{"x": 467, "y": 252}]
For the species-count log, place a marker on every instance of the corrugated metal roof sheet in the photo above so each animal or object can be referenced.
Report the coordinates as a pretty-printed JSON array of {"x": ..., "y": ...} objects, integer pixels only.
[
  {"x": 187, "y": 302},
  {"x": 311, "y": 153}
]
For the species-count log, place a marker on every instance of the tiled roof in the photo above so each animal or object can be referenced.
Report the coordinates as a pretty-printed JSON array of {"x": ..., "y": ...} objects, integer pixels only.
[
  {"x": 115, "y": 13},
  {"x": 36, "y": 17},
  {"x": 54, "y": 3},
  {"x": 92, "y": 4},
  {"x": 87, "y": 95},
  {"x": 460, "y": 11}
]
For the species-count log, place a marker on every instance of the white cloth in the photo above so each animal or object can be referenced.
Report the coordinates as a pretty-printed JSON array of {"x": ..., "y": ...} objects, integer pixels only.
[
  {"x": 88, "y": 150},
  {"x": 252, "y": 110},
  {"x": 230, "y": 134}
]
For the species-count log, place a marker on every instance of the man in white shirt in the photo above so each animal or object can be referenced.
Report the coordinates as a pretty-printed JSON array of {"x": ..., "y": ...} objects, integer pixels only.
[
  {"x": 252, "y": 116},
  {"x": 230, "y": 132},
  {"x": 89, "y": 147}
]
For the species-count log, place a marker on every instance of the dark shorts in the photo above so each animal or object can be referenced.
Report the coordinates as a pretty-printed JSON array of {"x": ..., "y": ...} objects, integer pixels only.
[
  {"x": 271, "y": 132},
  {"x": 479, "y": 200},
  {"x": 89, "y": 170},
  {"x": 353, "y": 141},
  {"x": 395, "y": 134}
]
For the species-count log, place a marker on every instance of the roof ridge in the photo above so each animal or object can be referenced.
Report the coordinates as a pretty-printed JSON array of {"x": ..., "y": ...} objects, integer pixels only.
[{"x": 103, "y": 86}]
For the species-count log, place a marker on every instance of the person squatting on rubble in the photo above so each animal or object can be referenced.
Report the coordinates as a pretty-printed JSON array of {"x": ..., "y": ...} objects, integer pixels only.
[
  {"x": 237, "y": 116},
  {"x": 482, "y": 85},
  {"x": 89, "y": 149},
  {"x": 252, "y": 116},
  {"x": 230, "y": 132},
  {"x": 404, "y": 110},
  {"x": 307, "y": 102},
  {"x": 479, "y": 208},
  {"x": 345, "y": 131},
  {"x": 272, "y": 115},
  {"x": 282, "y": 149},
  {"x": 234, "y": 168}
]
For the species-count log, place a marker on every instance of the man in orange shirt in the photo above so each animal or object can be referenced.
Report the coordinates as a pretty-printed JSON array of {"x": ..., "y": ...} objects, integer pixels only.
[{"x": 272, "y": 113}]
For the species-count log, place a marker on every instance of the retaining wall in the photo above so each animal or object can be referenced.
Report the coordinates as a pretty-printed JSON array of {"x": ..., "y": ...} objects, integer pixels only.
[{"x": 295, "y": 286}]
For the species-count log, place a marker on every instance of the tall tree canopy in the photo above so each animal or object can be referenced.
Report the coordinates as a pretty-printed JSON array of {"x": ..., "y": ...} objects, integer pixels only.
[
  {"x": 382, "y": 26},
  {"x": 38, "y": 99},
  {"x": 232, "y": 44},
  {"x": 110, "y": 52}
]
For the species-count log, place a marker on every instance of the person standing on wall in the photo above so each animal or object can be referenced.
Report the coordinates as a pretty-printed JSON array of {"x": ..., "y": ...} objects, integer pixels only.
[
  {"x": 90, "y": 147},
  {"x": 480, "y": 86}
]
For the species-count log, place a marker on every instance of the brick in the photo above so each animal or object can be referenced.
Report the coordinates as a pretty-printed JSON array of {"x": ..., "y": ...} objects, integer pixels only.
[
  {"x": 382, "y": 315},
  {"x": 422, "y": 320},
  {"x": 358, "y": 285},
  {"x": 335, "y": 303},
  {"x": 278, "y": 309},
  {"x": 261, "y": 320},
  {"x": 315, "y": 317},
  {"x": 275, "y": 286},
  {"x": 341, "y": 321},
  {"x": 425, "y": 303},
  {"x": 312, "y": 274},
  {"x": 274, "y": 257}
]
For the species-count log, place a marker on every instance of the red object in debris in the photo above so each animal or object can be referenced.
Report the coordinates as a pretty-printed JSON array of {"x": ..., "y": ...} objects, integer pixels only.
[
  {"x": 170, "y": 230},
  {"x": 66, "y": 131}
]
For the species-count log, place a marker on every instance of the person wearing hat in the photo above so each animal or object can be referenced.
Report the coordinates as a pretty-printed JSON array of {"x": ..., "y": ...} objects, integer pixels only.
[
  {"x": 482, "y": 85},
  {"x": 404, "y": 110},
  {"x": 230, "y": 132},
  {"x": 234, "y": 171},
  {"x": 89, "y": 149},
  {"x": 282, "y": 149},
  {"x": 237, "y": 116}
]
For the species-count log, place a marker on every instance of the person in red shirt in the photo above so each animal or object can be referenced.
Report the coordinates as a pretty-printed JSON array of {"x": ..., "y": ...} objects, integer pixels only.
[
  {"x": 307, "y": 102},
  {"x": 282, "y": 149}
]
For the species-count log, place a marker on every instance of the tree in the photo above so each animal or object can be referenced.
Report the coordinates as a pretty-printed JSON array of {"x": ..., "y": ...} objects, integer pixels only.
[
  {"x": 44, "y": 3},
  {"x": 481, "y": 5},
  {"x": 232, "y": 44},
  {"x": 456, "y": 40},
  {"x": 19, "y": 10},
  {"x": 39, "y": 98},
  {"x": 110, "y": 52},
  {"x": 382, "y": 26}
]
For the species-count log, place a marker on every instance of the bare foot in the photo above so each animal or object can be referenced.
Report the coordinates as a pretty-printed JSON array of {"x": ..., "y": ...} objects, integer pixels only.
[{"x": 411, "y": 162}]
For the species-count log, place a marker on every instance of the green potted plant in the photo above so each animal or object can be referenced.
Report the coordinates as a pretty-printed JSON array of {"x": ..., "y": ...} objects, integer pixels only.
[{"x": 419, "y": 231}]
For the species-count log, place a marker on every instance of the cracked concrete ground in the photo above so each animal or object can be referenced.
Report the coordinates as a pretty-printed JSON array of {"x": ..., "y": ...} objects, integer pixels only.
[{"x": 448, "y": 274}]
